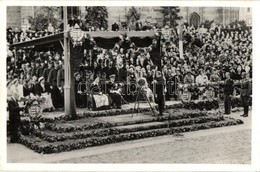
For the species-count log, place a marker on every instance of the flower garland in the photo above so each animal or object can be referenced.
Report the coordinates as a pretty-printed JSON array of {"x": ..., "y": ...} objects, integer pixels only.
[
  {"x": 83, "y": 143},
  {"x": 197, "y": 104},
  {"x": 53, "y": 127}
]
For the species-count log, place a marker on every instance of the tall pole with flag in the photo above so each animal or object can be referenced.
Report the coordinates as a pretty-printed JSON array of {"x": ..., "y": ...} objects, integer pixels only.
[{"x": 69, "y": 95}]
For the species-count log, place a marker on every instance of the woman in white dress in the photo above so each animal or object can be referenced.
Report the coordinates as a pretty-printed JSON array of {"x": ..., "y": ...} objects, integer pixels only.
[{"x": 44, "y": 90}]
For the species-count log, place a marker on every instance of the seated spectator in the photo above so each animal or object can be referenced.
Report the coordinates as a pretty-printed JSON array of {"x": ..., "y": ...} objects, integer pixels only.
[
  {"x": 189, "y": 77},
  {"x": 201, "y": 79},
  {"x": 43, "y": 89}
]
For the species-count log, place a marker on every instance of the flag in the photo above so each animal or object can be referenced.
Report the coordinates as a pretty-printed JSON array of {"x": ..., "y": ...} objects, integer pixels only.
[
  {"x": 155, "y": 53},
  {"x": 76, "y": 55}
]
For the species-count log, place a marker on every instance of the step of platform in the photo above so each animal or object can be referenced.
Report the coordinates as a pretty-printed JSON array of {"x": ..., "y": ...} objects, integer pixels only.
[{"x": 53, "y": 136}]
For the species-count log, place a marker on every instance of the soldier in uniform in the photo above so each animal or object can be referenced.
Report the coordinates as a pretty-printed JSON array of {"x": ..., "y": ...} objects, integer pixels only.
[
  {"x": 245, "y": 93},
  {"x": 114, "y": 91}
]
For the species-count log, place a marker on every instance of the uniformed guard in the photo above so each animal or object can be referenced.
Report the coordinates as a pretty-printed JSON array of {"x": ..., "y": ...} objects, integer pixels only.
[{"x": 245, "y": 93}]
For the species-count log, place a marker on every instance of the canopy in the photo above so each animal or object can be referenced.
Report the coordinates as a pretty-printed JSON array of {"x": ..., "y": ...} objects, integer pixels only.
[
  {"x": 39, "y": 41},
  {"x": 103, "y": 38}
]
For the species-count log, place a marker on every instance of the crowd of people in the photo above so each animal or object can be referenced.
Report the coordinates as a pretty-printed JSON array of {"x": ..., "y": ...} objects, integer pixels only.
[
  {"x": 216, "y": 62},
  {"x": 208, "y": 55}
]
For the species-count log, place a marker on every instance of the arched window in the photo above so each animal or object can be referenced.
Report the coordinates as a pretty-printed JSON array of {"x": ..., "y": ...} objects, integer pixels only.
[{"x": 194, "y": 19}]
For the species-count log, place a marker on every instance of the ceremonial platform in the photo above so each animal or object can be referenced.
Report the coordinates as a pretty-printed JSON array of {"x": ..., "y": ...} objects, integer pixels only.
[{"x": 93, "y": 128}]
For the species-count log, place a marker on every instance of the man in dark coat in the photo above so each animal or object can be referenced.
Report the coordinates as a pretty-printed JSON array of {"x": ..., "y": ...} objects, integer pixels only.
[
  {"x": 14, "y": 117},
  {"x": 39, "y": 68},
  {"x": 228, "y": 91},
  {"x": 46, "y": 71},
  {"x": 160, "y": 88},
  {"x": 52, "y": 77}
]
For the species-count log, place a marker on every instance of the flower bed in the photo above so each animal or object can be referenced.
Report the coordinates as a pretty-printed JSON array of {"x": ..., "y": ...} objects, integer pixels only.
[
  {"x": 83, "y": 143},
  {"x": 53, "y": 137}
]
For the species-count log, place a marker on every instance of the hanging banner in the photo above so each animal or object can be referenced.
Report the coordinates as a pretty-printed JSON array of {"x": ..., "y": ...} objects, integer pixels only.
[{"x": 76, "y": 55}]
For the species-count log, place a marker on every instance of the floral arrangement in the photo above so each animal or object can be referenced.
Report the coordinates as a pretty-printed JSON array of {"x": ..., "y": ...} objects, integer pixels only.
[
  {"x": 30, "y": 100},
  {"x": 33, "y": 119}
]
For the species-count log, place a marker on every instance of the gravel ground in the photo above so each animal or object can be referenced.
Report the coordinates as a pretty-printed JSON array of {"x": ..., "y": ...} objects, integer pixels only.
[{"x": 229, "y": 148}]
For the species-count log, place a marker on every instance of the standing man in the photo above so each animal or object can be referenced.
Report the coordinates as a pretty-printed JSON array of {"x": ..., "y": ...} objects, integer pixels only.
[
  {"x": 245, "y": 93},
  {"x": 14, "y": 117},
  {"x": 228, "y": 91},
  {"x": 160, "y": 88}
]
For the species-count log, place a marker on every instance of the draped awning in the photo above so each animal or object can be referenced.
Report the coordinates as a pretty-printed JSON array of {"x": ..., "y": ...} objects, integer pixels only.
[
  {"x": 39, "y": 41},
  {"x": 105, "y": 37}
]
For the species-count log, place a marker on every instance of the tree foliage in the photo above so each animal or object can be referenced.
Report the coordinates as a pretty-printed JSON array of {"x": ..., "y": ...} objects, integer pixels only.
[
  {"x": 43, "y": 17},
  {"x": 97, "y": 16},
  {"x": 133, "y": 15},
  {"x": 171, "y": 15}
]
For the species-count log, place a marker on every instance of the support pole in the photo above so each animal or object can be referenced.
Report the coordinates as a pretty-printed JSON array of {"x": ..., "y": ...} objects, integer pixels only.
[
  {"x": 69, "y": 97},
  {"x": 15, "y": 58},
  {"x": 181, "y": 42}
]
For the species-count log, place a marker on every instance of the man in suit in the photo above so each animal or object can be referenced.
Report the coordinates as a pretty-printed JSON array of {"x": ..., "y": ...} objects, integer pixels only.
[
  {"x": 228, "y": 92},
  {"x": 14, "y": 117}
]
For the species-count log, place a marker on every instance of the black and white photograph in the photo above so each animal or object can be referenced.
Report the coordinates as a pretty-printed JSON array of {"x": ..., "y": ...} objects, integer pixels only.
[{"x": 129, "y": 84}]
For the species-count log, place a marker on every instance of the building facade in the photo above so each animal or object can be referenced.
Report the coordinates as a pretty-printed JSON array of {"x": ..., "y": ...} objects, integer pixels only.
[{"x": 17, "y": 17}]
